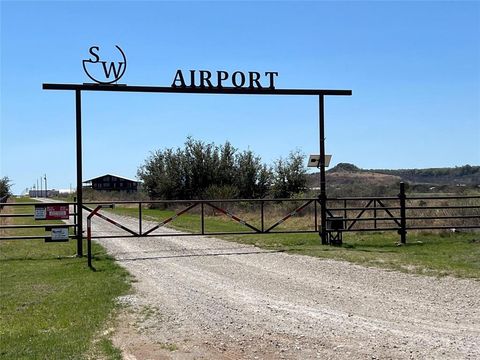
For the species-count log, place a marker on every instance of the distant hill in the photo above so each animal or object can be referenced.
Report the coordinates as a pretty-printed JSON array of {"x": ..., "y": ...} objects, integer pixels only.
[
  {"x": 348, "y": 179},
  {"x": 463, "y": 175},
  {"x": 344, "y": 167}
]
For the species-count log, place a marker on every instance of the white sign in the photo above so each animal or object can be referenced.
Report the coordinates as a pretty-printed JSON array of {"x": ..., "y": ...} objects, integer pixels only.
[
  {"x": 40, "y": 212},
  {"x": 60, "y": 233}
]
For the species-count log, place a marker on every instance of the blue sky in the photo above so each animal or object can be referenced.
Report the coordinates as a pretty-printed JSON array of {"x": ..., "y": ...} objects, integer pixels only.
[{"x": 413, "y": 67}]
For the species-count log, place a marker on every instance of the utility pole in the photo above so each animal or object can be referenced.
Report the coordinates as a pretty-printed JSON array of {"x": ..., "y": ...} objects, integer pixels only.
[
  {"x": 36, "y": 192},
  {"x": 46, "y": 187}
]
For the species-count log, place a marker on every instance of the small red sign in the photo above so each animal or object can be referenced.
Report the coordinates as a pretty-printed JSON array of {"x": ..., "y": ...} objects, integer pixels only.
[{"x": 57, "y": 212}]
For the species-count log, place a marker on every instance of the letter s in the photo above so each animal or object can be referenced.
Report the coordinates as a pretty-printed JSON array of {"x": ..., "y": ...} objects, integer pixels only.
[{"x": 97, "y": 58}]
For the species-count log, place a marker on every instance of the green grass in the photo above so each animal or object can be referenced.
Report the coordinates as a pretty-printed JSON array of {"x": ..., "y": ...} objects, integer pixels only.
[
  {"x": 437, "y": 254},
  {"x": 52, "y": 305},
  {"x": 105, "y": 349}
]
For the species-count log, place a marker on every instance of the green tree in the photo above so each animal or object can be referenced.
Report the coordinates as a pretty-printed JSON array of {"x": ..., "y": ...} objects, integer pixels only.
[
  {"x": 201, "y": 163},
  {"x": 163, "y": 175},
  {"x": 252, "y": 178},
  {"x": 204, "y": 170},
  {"x": 226, "y": 168},
  {"x": 289, "y": 175},
  {"x": 5, "y": 187}
]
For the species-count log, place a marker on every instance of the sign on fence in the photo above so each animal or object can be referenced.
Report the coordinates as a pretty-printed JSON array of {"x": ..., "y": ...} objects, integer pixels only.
[
  {"x": 57, "y": 234},
  {"x": 40, "y": 212},
  {"x": 51, "y": 212}
]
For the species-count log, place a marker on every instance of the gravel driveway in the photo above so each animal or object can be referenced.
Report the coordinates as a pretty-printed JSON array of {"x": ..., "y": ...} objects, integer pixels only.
[{"x": 205, "y": 298}]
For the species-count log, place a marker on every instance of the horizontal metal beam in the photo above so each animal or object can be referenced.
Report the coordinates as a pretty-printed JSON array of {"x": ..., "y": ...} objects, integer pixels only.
[
  {"x": 28, "y": 237},
  {"x": 16, "y": 215},
  {"x": 443, "y": 227},
  {"x": 443, "y": 217},
  {"x": 25, "y": 215},
  {"x": 195, "y": 90},
  {"x": 36, "y": 203},
  {"x": 442, "y": 207},
  {"x": 450, "y": 197},
  {"x": 169, "y": 234},
  {"x": 35, "y": 226}
]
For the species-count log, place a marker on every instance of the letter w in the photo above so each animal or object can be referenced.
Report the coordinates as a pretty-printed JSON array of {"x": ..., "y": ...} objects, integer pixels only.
[{"x": 113, "y": 68}]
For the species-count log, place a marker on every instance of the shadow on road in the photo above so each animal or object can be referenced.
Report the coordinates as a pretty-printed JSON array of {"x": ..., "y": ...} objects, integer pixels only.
[{"x": 198, "y": 255}]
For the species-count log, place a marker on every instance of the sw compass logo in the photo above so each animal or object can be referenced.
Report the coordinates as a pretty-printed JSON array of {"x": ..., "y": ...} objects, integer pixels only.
[{"x": 105, "y": 72}]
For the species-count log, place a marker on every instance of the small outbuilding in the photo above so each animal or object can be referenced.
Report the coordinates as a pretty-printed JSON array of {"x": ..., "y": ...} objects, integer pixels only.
[{"x": 110, "y": 182}]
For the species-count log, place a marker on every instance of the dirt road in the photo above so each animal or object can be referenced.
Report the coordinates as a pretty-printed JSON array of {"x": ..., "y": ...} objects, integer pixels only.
[{"x": 204, "y": 298}]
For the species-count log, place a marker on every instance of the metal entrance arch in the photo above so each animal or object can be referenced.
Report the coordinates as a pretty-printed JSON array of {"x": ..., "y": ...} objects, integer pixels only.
[{"x": 78, "y": 88}]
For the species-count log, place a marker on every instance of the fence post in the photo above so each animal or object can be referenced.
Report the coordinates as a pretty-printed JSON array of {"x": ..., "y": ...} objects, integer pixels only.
[
  {"x": 403, "y": 221},
  {"x": 78, "y": 135},
  {"x": 262, "y": 214},
  {"x": 140, "y": 217},
  {"x": 202, "y": 220},
  {"x": 75, "y": 216},
  {"x": 323, "y": 194},
  {"x": 89, "y": 241}
]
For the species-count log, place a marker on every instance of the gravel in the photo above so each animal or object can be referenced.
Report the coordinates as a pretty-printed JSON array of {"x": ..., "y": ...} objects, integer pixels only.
[{"x": 200, "y": 297}]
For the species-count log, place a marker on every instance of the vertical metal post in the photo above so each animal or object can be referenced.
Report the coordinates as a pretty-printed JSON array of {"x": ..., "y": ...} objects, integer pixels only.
[
  {"x": 315, "y": 215},
  {"x": 78, "y": 114},
  {"x": 374, "y": 214},
  {"x": 323, "y": 194},
  {"x": 262, "y": 211},
  {"x": 75, "y": 216},
  {"x": 89, "y": 232},
  {"x": 140, "y": 218},
  {"x": 345, "y": 214},
  {"x": 403, "y": 220},
  {"x": 203, "y": 219},
  {"x": 89, "y": 241}
]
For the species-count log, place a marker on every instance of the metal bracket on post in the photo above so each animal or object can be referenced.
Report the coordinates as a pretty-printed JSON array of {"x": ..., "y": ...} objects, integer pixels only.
[{"x": 335, "y": 227}]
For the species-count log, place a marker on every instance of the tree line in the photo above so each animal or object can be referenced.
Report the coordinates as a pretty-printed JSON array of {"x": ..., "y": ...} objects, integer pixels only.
[{"x": 203, "y": 170}]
